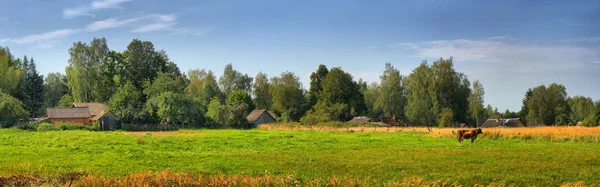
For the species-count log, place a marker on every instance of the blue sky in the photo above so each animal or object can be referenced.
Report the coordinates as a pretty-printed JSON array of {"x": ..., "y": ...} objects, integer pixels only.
[{"x": 508, "y": 45}]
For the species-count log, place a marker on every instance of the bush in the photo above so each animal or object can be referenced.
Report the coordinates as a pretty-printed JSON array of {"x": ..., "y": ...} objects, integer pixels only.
[
  {"x": 94, "y": 126},
  {"x": 11, "y": 110},
  {"x": 27, "y": 126},
  {"x": 43, "y": 127},
  {"x": 150, "y": 127}
]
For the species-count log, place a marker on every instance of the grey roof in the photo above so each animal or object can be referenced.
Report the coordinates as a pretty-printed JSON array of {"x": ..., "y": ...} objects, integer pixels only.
[
  {"x": 72, "y": 112},
  {"x": 95, "y": 108},
  {"x": 510, "y": 122},
  {"x": 255, "y": 114}
]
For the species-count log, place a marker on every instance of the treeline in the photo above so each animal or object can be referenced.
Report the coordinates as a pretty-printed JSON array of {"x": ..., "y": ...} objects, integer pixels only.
[{"x": 142, "y": 86}]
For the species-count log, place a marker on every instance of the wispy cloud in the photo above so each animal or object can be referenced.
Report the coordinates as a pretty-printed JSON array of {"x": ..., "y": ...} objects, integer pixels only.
[
  {"x": 153, "y": 27},
  {"x": 186, "y": 32},
  {"x": 87, "y": 10},
  {"x": 585, "y": 39},
  {"x": 110, "y": 23},
  {"x": 499, "y": 37},
  {"x": 504, "y": 56},
  {"x": 5, "y": 40},
  {"x": 370, "y": 47},
  {"x": 45, "y": 36}
]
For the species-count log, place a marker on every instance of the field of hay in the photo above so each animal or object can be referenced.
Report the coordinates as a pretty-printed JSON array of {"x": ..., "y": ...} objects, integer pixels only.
[{"x": 290, "y": 155}]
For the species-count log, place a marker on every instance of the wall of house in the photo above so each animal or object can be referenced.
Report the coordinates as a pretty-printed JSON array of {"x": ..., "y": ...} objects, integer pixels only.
[
  {"x": 263, "y": 119},
  {"x": 85, "y": 121}
]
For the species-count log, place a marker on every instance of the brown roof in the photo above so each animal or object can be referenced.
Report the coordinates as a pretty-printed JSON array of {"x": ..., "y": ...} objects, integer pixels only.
[
  {"x": 95, "y": 108},
  {"x": 97, "y": 117},
  {"x": 253, "y": 116},
  {"x": 73, "y": 112}
]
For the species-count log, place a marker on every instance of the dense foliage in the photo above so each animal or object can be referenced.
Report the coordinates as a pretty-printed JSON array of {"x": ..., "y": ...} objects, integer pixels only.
[{"x": 140, "y": 85}]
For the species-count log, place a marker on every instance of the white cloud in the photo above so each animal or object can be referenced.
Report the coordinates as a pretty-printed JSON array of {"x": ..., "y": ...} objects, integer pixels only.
[
  {"x": 186, "y": 31},
  {"x": 109, "y": 24},
  {"x": 499, "y": 37},
  {"x": 5, "y": 40},
  {"x": 45, "y": 36},
  {"x": 107, "y": 4},
  {"x": 153, "y": 27},
  {"x": 94, "y": 6},
  {"x": 371, "y": 47}
]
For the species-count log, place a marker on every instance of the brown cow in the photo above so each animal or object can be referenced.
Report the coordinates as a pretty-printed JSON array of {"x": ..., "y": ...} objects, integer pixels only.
[{"x": 468, "y": 134}]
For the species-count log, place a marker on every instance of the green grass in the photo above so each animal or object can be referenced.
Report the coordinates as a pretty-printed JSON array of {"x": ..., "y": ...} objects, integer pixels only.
[{"x": 369, "y": 156}]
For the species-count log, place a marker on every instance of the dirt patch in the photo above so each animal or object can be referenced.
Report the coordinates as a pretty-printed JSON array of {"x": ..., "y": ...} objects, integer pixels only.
[{"x": 171, "y": 133}]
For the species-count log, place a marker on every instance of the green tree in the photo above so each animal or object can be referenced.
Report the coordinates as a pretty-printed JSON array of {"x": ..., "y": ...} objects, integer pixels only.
[
  {"x": 65, "y": 101},
  {"x": 232, "y": 80},
  {"x": 391, "y": 98},
  {"x": 315, "y": 84},
  {"x": 141, "y": 63},
  {"x": 217, "y": 113},
  {"x": 126, "y": 103},
  {"x": 581, "y": 107},
  {"x": 371, "y": 94},
  {"x": 288, "y": 96},
  {"x": 55, "y": 86},
  {"x": 262, "y": 97},
  {"x": 420, "y": 101},
  {"x": 11, "y": 111},
  {"x": 446, "y": 118},
  {"x": 83, "y": 71},
  {"x": 9, "y": 72},
  {"x": 339, "y": 88},
  {"x": 476, "y": 102},
  {"x": 164, "y": 82},
  {"x": 451, "y": 89},
  {"x": 237, "y": 117},
  {"x": 34, "y": 91},
  {"x": 524, "y": 108},
  {"x": 548, "y": 103},
  {"x": 238, "y": 97},
  {"x": 176, "y": 108}
]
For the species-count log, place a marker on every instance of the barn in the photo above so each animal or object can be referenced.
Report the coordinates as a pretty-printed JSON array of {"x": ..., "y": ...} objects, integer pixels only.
[
  {"x": 257, "y": 117},
  {"x": 99, "y": 112},
  {"x": 73, "y": 114},
  {"x": 510, "y": 122}
]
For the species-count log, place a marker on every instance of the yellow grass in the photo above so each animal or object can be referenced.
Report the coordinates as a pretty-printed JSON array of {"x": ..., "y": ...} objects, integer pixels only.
[{"x": 572, "y": 131}]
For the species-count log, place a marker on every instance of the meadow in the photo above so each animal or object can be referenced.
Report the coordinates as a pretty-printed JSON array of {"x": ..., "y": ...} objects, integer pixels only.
[{"x": 284, "y": 156}]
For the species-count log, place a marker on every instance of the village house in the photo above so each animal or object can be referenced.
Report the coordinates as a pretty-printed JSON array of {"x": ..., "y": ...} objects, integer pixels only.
[
  {"x": 73, "y": 114},
  {"x": 510, "y": 122},
  {"x": 257, "y": 117},
  {"x": 99, "y": 112}
]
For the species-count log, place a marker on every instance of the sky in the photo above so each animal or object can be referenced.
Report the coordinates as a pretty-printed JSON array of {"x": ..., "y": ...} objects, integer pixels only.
[{"x": 509, "y": 46}]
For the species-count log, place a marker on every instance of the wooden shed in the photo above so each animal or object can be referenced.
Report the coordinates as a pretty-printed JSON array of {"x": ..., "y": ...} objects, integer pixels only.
[
  {"x": 74, "y": 114},
  {"x": 99, "y": 112},
  {"x": 257, "y": 117}
]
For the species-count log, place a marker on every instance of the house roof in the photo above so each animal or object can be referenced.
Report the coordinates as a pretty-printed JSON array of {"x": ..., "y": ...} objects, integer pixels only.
[
  {"x": 97, "y": 117},
  {"x": 255, "y": 114},
  {"x": 72, "y": 112},
  {"x": 361, "y": 119},
  {"x": 510, "y": 122},
  {"x": 95, "y": 108}
]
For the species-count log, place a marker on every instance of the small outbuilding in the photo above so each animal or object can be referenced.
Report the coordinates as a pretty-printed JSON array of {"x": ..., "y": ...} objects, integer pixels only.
[
  {"x": 510, "y": 122},
  {"x": 257, "y": 117},
  {"x": 73, "y": 114},
  {"x": 99, "y": 112}
]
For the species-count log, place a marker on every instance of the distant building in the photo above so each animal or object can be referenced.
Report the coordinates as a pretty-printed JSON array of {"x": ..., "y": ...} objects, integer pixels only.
[
  {"x": 74, "y": 114},
  {"x": 510, "y": 122},
  {"x": 99, "y": 112},
  {"x": 257, "y": 117},
  {"x": 393, "y": 121},
  {"x": 361, "y": 119}
]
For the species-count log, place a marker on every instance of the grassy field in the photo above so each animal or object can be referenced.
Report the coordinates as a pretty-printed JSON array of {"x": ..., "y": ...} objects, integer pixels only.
[{"x": 375, "y": 158}]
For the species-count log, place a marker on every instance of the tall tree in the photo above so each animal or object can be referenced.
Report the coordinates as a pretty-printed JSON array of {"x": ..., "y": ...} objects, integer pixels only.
[
  {"x": 581, "y": 107},
  {"x": 141, "y": 62},
  {"x": 262, "y": 97},
  {"x": 371, "y": 95},
  {"x": 339, "y": 88},
  {"x": 420, "y": 101},
  {"x": 83, "y": 71},
  {"x": 288, "y": 96},
  {"x": 126, "y": 103},
  {"x": 34, "y": 91},
  {"x": 476, "y": 102},
  {"x": 55, "y": 86},
  {"x": 315, "y": 84},
  {"x": 164, "y": 82},
  {"x": 548, "y": 105},
  {"x": 232, "y": 80},
  {"x": 451, "y": 89},
  {"x": 524, "y": 108},
  {"x": 9, "y": 72},
  {"x": 392, "y": 98}
]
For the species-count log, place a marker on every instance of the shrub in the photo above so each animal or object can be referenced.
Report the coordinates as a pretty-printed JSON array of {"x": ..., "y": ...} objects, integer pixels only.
[
  {"x": 27, "y": 126},
  {"x": 149, "y": 127},
  {"x": 47, "y": 127},
  {"x": 95, "y": 126},
  {"x": 11, "y": 110}
]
